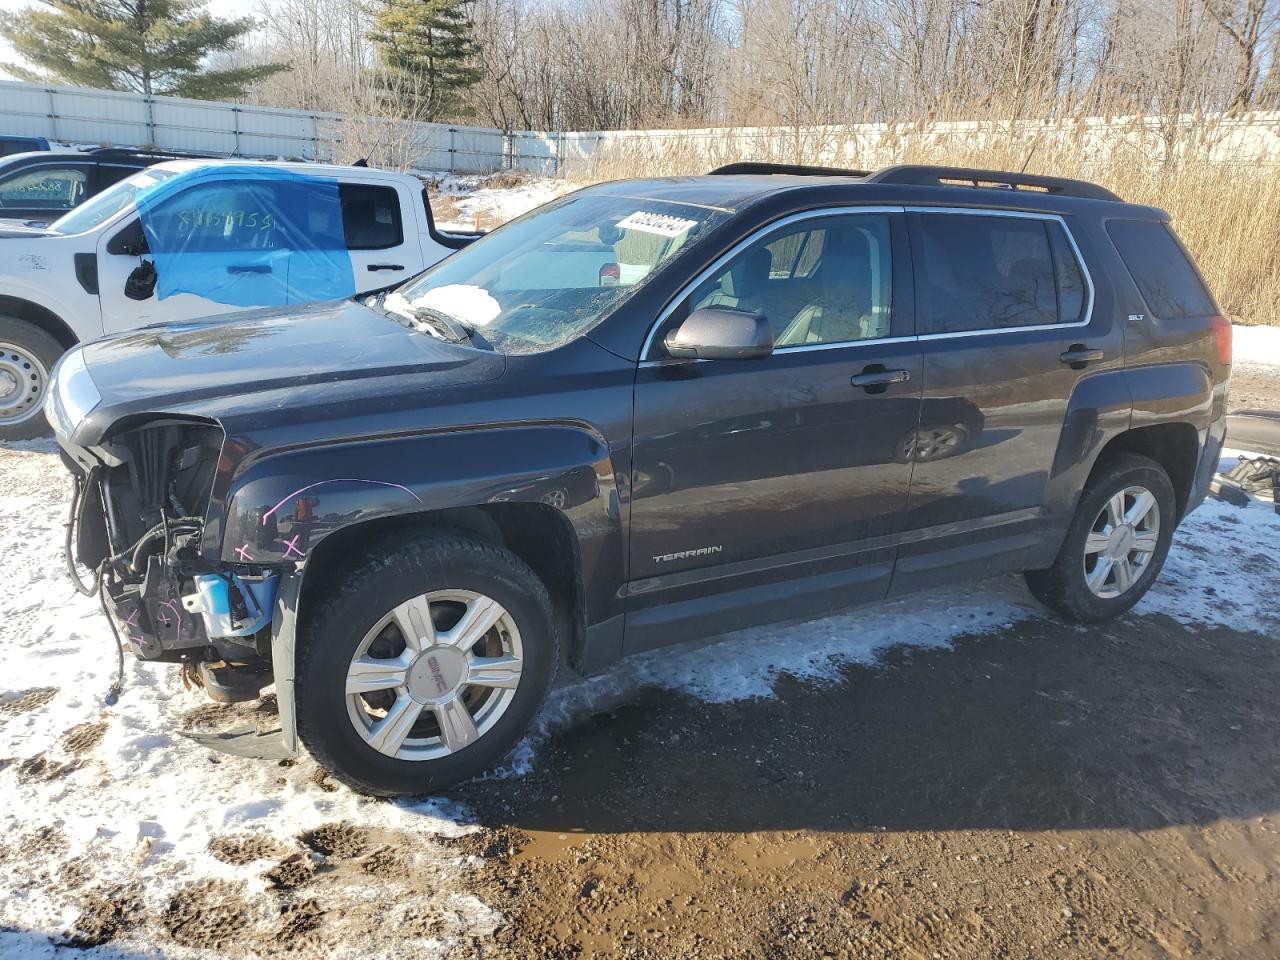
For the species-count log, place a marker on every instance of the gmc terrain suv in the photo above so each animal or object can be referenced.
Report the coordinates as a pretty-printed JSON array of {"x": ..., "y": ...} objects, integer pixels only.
[{"x": 779, "y": 392}]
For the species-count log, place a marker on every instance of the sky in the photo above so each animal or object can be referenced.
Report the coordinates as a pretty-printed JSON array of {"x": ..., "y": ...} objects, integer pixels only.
[{"x": 223, "y": 9}]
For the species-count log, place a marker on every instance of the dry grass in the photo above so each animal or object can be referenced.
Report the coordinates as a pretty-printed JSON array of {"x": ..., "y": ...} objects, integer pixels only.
[{"x": 1213, "y": 177}]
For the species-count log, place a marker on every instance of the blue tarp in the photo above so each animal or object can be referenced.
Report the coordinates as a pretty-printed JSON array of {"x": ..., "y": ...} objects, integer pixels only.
[{"x": 248, "y": 236}]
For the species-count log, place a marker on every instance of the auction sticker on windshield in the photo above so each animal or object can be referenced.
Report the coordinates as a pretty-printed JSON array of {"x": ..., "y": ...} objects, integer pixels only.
[{"x": 661, "y": 224}]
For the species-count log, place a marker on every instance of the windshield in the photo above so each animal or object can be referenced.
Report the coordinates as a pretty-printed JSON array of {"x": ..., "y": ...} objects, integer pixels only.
[
  {"x": 109, "y": 202},
  {"x": 548, "y": 277}
]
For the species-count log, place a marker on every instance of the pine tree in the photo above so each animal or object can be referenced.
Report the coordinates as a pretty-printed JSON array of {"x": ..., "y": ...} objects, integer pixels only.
[
  {"x": 146, "y": 46},
  {"x": 427, "y": 47}
]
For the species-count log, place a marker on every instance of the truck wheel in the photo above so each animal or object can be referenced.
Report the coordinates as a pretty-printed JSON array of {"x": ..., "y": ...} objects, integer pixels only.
[
  {"x": 424, "y": 663},
  {"x": 27, "y": 355},
  {"x": 1116, "y": 544}
]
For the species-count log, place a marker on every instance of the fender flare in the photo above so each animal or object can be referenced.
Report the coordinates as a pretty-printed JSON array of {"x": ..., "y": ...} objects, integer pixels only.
[{"x": 1110, "y": 403}]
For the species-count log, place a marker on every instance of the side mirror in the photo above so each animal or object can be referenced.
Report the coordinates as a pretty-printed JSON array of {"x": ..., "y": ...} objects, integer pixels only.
[
  {"x": 718, "y": 333},
  {"x": 141, "y": 283}
]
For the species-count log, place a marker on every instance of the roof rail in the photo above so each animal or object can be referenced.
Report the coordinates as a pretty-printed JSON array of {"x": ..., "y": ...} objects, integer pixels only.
[
  {"x": 107, "y": 152},
  {"x": 788, "y": 169},
  {"x": 918, "y": 175}
]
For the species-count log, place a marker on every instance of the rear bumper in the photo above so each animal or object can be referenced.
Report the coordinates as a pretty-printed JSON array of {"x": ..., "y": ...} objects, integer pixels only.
[{"x": 1207, "y": 468}]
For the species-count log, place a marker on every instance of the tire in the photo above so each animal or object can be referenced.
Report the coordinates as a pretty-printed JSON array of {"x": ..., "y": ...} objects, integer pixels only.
[
  {"x": 27, "y": 356},
  {"x": 1065, "y": 586},
  {"x": 448, "y": 572}
]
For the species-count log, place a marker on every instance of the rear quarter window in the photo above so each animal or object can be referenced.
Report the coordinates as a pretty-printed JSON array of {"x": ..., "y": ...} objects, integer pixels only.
[{"x": 1161, "y": 268}]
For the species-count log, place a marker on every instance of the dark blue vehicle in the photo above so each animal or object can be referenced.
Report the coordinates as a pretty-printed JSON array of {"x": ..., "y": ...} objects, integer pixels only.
[
  {"x": 11, "y": 144},
  {"x": 649, "y": 411}
]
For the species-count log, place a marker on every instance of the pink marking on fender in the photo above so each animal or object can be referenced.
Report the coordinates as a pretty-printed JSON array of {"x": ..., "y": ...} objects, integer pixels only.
[
  {"x": 131, "y": 621},
  {"x": 321, "y": 483},
  {"x": 242, "y": 552},
  {"x": 177, "y": 612},
  {"x": 291, "y": 546}
]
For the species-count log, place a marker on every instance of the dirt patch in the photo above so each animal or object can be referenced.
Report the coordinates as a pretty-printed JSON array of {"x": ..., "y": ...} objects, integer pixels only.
[
  {"x": 339, "y": 840},
  {"x": 75, "y": 873},
  {"x": 297, "y": 920},
  {"x": 45, "y": 843},
  {"x": 103, "y": 915},
  {"x": 293, "y": 871},
  {"x": 207, "y": 914},
  {"x": 320, "y": 777},
  {"x": 385, "y": 862},
  {"x": 211, "y": 717},
  {"x": 1041, "y": 791},
  {"x": 1254, "y": 387},
  {"x": 41, "y": 768},
  {"x": 26, "y": 701},
  {"x": 83, "y": 737},
  {"x": 240, "y": 849}
]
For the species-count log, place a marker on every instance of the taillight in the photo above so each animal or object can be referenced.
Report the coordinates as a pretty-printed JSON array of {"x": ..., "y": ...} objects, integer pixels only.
[
  {"x": 1222, "y": 335},
  {"x": 610, "y": 275}
]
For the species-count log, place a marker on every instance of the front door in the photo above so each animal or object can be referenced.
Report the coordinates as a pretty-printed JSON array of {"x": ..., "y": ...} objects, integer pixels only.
[{"x": 774, "y": 488}]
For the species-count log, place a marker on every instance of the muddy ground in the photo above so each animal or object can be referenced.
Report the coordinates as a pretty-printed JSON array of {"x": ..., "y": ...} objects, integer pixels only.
[
  {"x": 1254, "y": 387},
  {"x": 1043, "y": 791}
]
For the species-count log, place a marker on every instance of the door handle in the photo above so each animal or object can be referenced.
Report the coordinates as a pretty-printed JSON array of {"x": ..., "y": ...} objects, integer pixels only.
[
  {"x": 384, "y": 266},
  {"x": 1079, "y": 356},
  {"x": 876, "y": 378},
  {"x": 249, "y": 268}
]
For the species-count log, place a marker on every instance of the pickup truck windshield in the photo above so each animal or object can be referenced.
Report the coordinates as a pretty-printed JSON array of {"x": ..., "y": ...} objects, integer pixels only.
[
  {"x": 109, "y": 202},
  {"x": 549, "y": 276}
]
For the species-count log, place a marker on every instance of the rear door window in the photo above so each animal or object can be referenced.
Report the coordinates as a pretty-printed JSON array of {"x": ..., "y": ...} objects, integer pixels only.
[
  {"x": 1161, "y": 269},
  {"x": 977, "y": 272},
  {"x": 370, "y": 216}
]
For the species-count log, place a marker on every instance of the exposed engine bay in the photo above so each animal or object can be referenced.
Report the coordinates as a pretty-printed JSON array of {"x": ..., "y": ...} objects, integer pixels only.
[{"x": 137, "y": 521}]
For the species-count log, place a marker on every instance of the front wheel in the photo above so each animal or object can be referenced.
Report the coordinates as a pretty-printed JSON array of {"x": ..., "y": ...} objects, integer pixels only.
[
  {"x": 27, "y": 355},
  {"x": 424, "y": 664},
  {"x": 1116, "y": 544}
]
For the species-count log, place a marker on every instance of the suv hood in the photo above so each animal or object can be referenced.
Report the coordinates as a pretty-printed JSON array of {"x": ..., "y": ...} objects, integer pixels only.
[
  {"x": 25, "y": 229},
  {"x": 265, "y": 364}
]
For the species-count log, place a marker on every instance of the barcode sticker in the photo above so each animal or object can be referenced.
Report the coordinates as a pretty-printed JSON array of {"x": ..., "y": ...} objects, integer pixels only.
[{"x": 662, "y": 225}]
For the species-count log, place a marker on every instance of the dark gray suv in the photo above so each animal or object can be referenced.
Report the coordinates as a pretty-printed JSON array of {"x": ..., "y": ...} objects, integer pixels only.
[{"x": 649, "y": 411}]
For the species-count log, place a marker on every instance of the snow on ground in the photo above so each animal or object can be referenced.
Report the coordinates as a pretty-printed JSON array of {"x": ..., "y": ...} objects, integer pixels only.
[
  {"x": 1259, "y": 345},
  {"x": 146, "y": 801},
  {"x": 142, "y": 805}
]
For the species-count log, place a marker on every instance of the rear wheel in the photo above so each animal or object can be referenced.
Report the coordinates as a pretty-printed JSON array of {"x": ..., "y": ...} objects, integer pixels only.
[
  {"x": 1116, "y": 544},
  {"x": 425, "y": 663},
  {"x": 27, "y": 355}
]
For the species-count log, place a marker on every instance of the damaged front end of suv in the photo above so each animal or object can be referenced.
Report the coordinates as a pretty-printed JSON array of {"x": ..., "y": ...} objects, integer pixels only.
[
  {"x": 137, "y": 537},
  {"x": 138, "y": 523}
]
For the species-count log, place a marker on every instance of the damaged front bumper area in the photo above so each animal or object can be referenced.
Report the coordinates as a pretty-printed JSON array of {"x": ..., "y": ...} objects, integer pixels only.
[{"x": 137, "y": 522}]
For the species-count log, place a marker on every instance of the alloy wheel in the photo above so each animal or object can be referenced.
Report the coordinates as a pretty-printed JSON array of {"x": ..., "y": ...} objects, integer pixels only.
[
  {"x": 434, "y": 675},
  {"x": 1121, "y": 542}
]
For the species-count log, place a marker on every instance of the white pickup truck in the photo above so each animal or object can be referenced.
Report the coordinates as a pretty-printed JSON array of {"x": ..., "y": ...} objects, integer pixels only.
[{"x": 225, "y": 236}]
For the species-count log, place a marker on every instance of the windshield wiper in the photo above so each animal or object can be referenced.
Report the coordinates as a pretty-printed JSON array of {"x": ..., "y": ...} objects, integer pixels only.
[{"x": 452, "y": 328}]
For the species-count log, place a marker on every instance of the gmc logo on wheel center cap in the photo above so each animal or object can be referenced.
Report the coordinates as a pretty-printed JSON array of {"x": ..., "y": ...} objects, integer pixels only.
[{"x": 436, "y": 675}]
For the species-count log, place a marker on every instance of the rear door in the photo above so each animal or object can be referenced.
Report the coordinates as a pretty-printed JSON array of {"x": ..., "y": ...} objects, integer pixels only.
[
  {"x": 384, "y": 249},
  {"x": 773, "y": 488},
  {"x": 1004, "y": 302}
]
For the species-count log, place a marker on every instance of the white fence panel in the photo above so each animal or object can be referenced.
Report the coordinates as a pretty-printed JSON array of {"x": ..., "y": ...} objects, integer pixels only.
[{"x": 79, "y": 115}]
